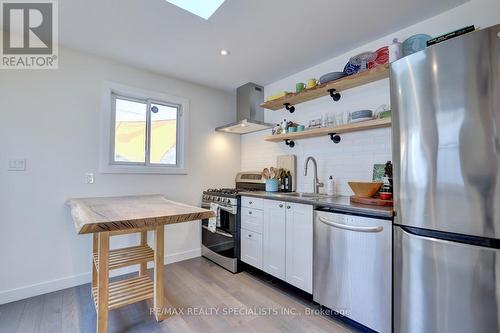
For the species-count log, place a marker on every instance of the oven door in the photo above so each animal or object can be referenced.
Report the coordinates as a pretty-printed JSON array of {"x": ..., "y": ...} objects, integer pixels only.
[{"x": 221, "y": 246}]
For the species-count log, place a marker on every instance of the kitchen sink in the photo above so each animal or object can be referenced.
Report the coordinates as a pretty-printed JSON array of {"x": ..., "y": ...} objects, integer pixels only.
[{"x": 306, "y": 195}]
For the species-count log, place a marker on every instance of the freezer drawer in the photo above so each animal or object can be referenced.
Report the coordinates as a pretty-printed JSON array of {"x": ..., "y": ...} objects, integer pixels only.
[
  {"x": 442, "y": 286},
  {"x": 352, "y": 267}
]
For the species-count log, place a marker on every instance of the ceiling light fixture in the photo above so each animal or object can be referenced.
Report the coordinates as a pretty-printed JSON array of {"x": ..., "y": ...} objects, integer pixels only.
[
  {"x": 201, "y": 8},
  {"x": 224, "y": 52}
]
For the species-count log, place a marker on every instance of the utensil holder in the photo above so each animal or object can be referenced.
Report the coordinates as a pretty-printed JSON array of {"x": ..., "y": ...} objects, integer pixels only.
[{"x": 271, "y": 185}]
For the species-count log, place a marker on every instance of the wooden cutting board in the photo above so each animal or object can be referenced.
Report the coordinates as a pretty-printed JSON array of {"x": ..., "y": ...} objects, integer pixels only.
[
  {"x": 371, "y": 201},
  {"x": 289, "y": 162}
]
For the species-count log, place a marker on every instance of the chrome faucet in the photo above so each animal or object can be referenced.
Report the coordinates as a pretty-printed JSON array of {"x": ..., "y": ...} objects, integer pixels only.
[{"x": 316, "y": 183}]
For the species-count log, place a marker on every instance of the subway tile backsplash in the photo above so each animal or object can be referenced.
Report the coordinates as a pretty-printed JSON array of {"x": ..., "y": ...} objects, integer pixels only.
[{"x": 351, "y": 159}]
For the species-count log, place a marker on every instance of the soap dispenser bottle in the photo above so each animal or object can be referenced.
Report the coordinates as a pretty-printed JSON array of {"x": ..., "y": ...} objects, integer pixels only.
[{"x": 330, "y": 186}]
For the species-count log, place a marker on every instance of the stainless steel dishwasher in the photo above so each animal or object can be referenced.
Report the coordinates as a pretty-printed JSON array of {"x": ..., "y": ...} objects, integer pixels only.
[{"x": 352, "y": 270}]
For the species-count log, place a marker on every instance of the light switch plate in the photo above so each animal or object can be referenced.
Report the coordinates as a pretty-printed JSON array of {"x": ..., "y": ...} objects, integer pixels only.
[{"x": 18, "y": 164}]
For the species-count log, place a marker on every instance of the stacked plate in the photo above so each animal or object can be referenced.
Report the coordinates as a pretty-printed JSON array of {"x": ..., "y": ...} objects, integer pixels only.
[
  {"x": 331, "y": 77},
  {"x": 361, "y": 115}
]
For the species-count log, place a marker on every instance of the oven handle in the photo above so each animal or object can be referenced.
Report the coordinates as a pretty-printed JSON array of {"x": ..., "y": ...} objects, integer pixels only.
[
  {"x": 222, "y": 233},
  {"x": 230, "y": 210},
  {"x": 351, "y": 228}
]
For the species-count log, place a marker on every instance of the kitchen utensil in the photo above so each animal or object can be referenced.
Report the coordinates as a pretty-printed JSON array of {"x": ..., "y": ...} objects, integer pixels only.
[
  {"x": 415, "y": 43},
  {"x": 361, "y": 114},
  {"x": 351, "y": 69},
  {"x": 272, "y": 172},
  {"x": 365, "y": 189},
  {"x": 371, "y": 201},
  {"x": 346, "y": 117},
  {"x": 331, "y": 77},
  {"x": 265, "y": 173},
  {"x": 311, "y": 83},
  {"x": 358, "y": 120},
  {"x": 395, "y": 50},
  {"x": 385, "y": 195},
  {"x": 300, "y": 87},
  {"x": 363, "y": 59},
  {"x": 277, "y": 95},
  {"x": 381, "y": 59},
  {"x": 385, "y": 114}
]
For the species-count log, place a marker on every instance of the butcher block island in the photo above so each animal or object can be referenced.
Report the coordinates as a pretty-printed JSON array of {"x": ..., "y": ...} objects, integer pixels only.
[{"x": 106, "y": 217}]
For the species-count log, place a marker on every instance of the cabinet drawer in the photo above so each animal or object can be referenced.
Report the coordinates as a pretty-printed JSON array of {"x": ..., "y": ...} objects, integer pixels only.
[
  {"x": 252, "y": 219},
  {"x": 251, "y": 248},
  {"x": 250, "y": 202}
]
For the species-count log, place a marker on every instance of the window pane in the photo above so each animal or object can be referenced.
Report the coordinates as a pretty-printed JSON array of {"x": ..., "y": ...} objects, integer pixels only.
[
  {"x": 163, "y": 134},
  {"x": 130, "y": 131}
]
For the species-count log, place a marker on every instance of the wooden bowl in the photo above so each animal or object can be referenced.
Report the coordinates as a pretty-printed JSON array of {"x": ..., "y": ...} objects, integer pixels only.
[{"x": 365, "y": 189}]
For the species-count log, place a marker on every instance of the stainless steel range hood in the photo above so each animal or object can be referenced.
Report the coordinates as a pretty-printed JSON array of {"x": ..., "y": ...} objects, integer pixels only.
[{"x": 249, "y": 114}]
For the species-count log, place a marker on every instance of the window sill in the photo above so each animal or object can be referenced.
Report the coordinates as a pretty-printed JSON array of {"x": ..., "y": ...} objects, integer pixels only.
[{"x": 144, "y": 170}]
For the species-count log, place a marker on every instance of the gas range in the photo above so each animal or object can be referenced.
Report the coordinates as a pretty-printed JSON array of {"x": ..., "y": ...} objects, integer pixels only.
[{"x": 222, "y": 245}]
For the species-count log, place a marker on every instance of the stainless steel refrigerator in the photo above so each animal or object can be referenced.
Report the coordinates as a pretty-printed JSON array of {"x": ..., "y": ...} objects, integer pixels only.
[{"x": 446, "y": 150}]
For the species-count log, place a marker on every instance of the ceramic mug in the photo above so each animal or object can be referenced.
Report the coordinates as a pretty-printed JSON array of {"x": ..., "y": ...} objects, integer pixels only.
[
  {"x": 311, "y": 83},
  {"x": 300, "y": 86}
]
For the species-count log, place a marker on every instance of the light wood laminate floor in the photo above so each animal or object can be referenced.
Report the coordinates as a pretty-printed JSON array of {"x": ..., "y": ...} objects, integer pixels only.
[{"x": 246, "y": 302}]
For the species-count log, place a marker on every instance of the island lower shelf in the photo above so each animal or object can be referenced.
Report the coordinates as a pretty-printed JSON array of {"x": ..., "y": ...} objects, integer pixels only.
[{"x": 311, "y": 133}]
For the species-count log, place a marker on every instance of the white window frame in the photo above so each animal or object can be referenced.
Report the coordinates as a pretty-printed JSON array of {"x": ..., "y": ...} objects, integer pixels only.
[{"x": 107, "y": 142}]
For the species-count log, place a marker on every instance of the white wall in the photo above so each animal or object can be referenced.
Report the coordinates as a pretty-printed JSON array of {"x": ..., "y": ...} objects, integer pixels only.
[
  {"x": 354, "y": 157},
  {"x": 51, "y": 118}
]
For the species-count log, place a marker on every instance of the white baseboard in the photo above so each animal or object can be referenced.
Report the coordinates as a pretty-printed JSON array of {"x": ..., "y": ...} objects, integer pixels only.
[{"x": 12, "y": 295}]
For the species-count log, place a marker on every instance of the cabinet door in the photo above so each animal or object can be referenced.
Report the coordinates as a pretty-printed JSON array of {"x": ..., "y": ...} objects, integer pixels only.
[
  {"x": 274, "y": 238},
  {"x": 251, "y": 248},
  {"x": 299, "y": 245}
]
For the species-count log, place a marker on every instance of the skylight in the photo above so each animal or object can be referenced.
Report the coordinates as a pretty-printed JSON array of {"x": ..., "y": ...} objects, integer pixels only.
[{"x": 201, "y": 8}]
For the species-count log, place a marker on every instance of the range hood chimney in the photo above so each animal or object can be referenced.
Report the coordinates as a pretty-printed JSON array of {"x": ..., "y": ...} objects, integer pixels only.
[{"x": 249, "y": 114}]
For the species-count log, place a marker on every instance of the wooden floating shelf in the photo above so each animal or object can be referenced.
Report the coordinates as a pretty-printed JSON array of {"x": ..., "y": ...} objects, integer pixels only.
[
  {"x": 127, "y": 291},
  {"x": 315, "y": 132},
  {"x": 371, "y": 75},
  {"x": 127, "y": 256}
]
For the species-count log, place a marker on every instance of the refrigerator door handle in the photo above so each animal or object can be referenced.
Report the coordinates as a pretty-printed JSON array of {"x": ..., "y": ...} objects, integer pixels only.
[{"x": 351, "y": 228}]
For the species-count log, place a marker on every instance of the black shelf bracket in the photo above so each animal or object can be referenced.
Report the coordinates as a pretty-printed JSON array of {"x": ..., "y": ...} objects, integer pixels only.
[
  {"x": 334, "y": 137},
  {"x": 289, "y": 107},
  {"x": 290, "y": 143},
  {"x": 334, "y": 94}
]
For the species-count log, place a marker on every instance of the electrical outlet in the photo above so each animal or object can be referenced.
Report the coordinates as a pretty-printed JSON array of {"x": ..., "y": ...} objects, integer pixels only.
[
  {"x": 18, "y": 164},
  {"x": 89, "y": 178}
]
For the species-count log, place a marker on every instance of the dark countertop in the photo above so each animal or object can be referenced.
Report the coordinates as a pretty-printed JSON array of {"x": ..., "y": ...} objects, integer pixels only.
[{"x": 339, "y": 203}]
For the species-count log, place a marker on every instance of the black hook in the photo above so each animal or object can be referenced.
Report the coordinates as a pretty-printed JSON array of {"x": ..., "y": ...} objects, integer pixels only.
[
  {"x": 289, "y": 107},
  {"x": 334, "y": 94},
  {"x": 334, "y": 137},
  {"x": 290, "y": 143}
]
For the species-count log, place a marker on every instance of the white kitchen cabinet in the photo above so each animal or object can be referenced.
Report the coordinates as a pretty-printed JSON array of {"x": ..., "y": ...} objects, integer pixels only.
[
  {"x": 274, "y": 241},
  {"x": 299, "y": 245},
  {"x": 251, "y": 248},
  {"x": 277, "y": 237}
]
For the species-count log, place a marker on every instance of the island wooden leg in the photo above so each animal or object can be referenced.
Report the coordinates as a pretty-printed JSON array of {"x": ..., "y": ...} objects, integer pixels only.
[
  {"x": 95, "y": 250},
  {"x": 158, "y": 274},
  {"x": 144, "y": 241},
  {"x": 103, "y": 283}
]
